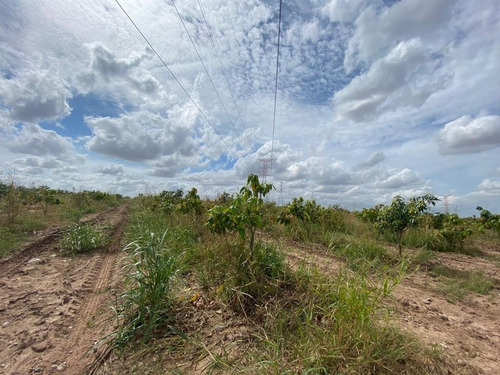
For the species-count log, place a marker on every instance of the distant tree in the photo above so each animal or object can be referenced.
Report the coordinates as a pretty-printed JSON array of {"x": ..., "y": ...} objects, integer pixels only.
[{"x": 402, "y": 214}]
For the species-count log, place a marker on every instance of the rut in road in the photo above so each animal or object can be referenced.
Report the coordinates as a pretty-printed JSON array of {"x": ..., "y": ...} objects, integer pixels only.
[{"x": 55, "y": 310}]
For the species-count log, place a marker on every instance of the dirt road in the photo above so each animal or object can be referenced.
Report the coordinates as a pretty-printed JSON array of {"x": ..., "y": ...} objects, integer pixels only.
[{"x": 54, "y": 308}]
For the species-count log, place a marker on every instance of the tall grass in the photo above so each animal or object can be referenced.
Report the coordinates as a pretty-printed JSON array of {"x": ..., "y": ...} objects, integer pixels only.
[
  {"x": 360, "y": 254},
  {"x": 322, "y": 325},
  {"x": 240, "y": 278},
  {"x": 145, "y": 308}
]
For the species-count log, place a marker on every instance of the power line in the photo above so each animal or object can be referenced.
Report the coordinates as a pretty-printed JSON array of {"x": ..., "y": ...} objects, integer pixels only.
[
  {"x": 175, "y": 78},
  {"x": 210, "y": 34},
  {"x": 204, "y": 67},
  {"x": 276, "y": 83}
]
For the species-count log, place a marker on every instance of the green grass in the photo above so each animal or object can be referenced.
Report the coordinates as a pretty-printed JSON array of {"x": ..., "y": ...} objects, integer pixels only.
[
  {"x": 361, "y": 254},
  {"x": 83, "y": 238},
  {"x": 320, "y": 325},
  {"x": 14, "y": 235},
  {"x": 457, "y": 285},
  {"x": 145, "y": 308},
  {"x": 433, "y": 239},
  {"x": 241, "y": 279}
]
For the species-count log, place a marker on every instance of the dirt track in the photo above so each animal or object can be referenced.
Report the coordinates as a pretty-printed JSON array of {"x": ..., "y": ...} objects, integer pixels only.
[{"x": 53, "y": 307}]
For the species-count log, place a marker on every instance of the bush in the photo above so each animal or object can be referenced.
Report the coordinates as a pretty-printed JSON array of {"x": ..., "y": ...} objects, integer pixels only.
[{"x": 241, "y": 280}]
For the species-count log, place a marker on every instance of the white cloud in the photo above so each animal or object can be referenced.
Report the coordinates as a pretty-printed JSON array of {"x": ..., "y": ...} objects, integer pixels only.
[
  {"x": 107, "y": 68},
  {"x": 34, "y": 140},
  {"x": 406, "y": 177},
  {"x": 490, "y": 186},
  {"x": 379, "y": 31},
  {"x": 34, "y": 96},
  {"x": 467, "y": 135},
  {"x": 394, "y": 78},
  {"x": 138, "y": 137},
  {"x": 112, "y": 169},
  {"x": 373, "y": 160},
  {"x": 343, "y": 10},
  {"x": 40, "y": 162}
]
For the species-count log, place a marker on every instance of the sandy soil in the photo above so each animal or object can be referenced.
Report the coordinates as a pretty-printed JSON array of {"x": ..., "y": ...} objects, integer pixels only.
[{"x": 53, "y": 307}]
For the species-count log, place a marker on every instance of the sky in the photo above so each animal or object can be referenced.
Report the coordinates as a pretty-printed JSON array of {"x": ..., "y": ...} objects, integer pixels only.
[{"x": 375, "y": 98}]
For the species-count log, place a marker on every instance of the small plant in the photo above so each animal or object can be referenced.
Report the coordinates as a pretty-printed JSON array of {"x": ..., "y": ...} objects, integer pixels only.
[
  {"x": 46, "y": 197},
  {"x": 306, "y": 213},
  {"x": 82, "y": 238},
  {"x": 489, "y": 220},
  {"x": 145, "y": 307},
  {"x": 191, "y": 203},
  {"x": 11, "y": 199}
]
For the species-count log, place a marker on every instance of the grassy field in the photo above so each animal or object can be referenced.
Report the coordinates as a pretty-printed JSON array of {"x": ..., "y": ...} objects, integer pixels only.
[{"x": 240, "y": 285}]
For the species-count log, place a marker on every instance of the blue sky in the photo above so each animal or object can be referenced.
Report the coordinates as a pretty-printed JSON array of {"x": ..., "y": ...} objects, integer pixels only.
[{"x": 375, "y": 98}]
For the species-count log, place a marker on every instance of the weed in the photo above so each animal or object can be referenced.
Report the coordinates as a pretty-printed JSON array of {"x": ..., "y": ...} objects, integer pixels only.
[
  {"x": 321, "y": 325},
  {"x": 145, "y": 307},
  {"x": 82, "y": 238},
  {"x": 458, "y": 287},
  {"x": 242, "y": 280},
  {"x": 360, "y": 254}
]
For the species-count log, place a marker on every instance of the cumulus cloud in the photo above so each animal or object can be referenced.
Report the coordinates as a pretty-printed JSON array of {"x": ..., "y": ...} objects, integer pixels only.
[
  {"x": 399, "y": 180},
  {"x": 38, "y": 162},
  {"x": 377, "y": 31},
  {"x": 112, "y": 169},
  {"x": 373, "y": 160},
  {"x": 34, "y": 96},
  {"x": 343, "y": 10},
  {"x": 34, "y": 140},
  {"x": 105, "y": 65},
  {"x": 489, "y": 185},
  {"x": 392, "y": 78},
  {"x": 138, "y": 137},
  {"x": 467, "y": 135}
]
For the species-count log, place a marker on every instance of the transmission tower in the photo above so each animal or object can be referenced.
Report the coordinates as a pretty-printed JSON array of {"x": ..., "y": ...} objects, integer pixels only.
[
  {"x": 280, "y": 200},
  {"x": 265, "y": 168},
  {"x": 446, "y": 204}
]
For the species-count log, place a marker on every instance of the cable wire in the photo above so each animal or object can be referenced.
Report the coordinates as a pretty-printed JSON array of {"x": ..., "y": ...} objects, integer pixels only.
[
  {"x": 204, "y": 67},
  {"x": 276, "y": 85},
  {"x": 175, "y": 78},
  {"x": 210, "y": 34}
]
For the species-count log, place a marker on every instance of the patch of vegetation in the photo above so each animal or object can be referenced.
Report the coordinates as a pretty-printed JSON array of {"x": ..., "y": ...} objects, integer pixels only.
[
  {"x": 361, "y": 254},
  {"x": 320, "y": 325},
  {"x": 83, "y": 238},
  {"x": 145, "y": 308},
  {"x": 457, "y": 284}
]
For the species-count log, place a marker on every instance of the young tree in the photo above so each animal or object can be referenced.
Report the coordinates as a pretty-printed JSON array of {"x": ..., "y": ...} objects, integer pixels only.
[
  {"x": 244, "y": 213},
  {"x": 402, "y": 214}
]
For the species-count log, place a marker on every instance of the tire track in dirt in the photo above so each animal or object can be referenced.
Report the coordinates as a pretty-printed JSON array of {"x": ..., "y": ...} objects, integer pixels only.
[
  {"x": 54, "y": 310},
  {"x": 11, "y": 264}
]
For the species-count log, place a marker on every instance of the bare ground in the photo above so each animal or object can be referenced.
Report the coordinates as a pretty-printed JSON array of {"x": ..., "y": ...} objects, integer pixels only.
[{"x": 53, "y": 307}]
